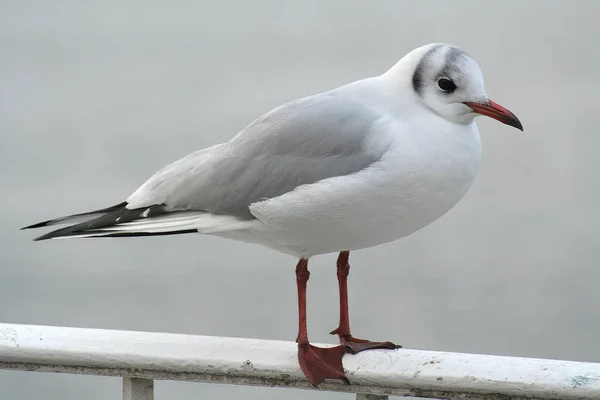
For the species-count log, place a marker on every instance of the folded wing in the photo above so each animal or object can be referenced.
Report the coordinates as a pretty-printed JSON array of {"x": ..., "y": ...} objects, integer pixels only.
[{"x": 296, "y": 144}]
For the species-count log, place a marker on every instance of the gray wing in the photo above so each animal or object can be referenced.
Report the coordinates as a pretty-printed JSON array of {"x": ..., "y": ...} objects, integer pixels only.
[{"x": 298, "y": 143}]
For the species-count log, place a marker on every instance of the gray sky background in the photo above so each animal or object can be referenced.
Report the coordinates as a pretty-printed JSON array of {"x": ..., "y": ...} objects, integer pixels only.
[{"x": 96, "y": 96}]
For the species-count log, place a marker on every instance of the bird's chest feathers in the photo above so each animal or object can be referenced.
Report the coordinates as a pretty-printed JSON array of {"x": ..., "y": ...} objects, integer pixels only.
[{"x": 429, "y": 175}]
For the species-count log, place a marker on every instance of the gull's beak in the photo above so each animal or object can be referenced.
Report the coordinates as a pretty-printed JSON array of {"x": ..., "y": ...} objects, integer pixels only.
[{"x": 496, "y": 111}]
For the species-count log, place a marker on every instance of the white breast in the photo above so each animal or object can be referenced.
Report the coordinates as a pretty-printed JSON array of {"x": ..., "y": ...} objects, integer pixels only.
[{"x": 418, "y": 180}]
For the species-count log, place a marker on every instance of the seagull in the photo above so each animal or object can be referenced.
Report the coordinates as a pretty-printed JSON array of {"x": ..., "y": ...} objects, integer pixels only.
[{"x": 363, "y": 164}]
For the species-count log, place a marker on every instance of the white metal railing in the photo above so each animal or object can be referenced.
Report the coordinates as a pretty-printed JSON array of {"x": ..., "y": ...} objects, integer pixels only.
[{"x": 141, "y": 357}]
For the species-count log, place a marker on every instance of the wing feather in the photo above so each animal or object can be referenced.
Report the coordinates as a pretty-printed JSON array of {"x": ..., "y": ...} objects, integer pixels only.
[{"x": 296, "y": 144}]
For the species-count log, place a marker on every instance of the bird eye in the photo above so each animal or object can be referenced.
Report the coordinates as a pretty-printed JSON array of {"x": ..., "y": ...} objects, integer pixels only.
[{"x": 446, "y": 85}]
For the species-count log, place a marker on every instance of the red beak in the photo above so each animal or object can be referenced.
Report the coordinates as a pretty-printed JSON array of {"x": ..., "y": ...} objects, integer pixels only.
[{"x": 496, "y": 111}]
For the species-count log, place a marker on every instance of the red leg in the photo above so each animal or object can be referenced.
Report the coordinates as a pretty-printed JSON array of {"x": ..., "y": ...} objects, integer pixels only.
[
  {"x": 317, "y": 363},
  {"x": 353, "y": 344}
]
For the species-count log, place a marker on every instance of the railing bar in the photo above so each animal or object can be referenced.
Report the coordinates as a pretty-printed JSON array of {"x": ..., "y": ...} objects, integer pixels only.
[
  {"x": 138, "y": 389},
  {"x": 364, "y": 396},
  {"x": 149, "y": 356}
]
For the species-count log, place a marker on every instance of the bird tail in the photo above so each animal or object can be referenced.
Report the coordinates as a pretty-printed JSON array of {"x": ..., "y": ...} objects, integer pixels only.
[
  {"x": 119, "y": 221},
  {"x": 77, "y": 218}
]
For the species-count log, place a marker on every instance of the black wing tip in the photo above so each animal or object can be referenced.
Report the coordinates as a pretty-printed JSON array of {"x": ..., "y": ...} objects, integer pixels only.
[
  {"x": 101, "y": 226},
  {"x": 43, "y": 237},
  {"x": 61, "y": 233},
  {"x": 38, "y": 225},
  {"x": 139, "y": 234},
  {"x": 53, "y": 221}
]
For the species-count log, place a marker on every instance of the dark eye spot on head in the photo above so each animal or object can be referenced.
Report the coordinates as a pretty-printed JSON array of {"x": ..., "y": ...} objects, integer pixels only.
[
  {"x": 446, "y": 85},
  {"x": 418, "y": 78}
]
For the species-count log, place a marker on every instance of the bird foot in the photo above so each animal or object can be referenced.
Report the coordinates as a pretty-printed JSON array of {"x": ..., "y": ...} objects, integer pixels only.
[
  {"x": 355, "y": 345},
  {"x": 319, "y": 363}
]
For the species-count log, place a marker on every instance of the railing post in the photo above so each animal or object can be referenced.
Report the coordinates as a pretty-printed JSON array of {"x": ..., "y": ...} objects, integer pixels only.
[
  {"x": 364, "y": 396},
  {"x": 138, "y": 389}
]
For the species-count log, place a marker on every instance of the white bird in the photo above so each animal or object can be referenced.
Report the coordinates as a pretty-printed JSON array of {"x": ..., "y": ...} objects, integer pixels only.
[{"x": 357, "y": 166}]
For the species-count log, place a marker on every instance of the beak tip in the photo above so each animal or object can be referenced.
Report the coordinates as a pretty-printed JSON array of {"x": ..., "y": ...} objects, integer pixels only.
[{"x": 518, "y": 125}]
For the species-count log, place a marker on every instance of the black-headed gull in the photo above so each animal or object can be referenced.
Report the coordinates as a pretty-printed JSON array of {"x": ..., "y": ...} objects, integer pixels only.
[{"x": 357, "y": 166}]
